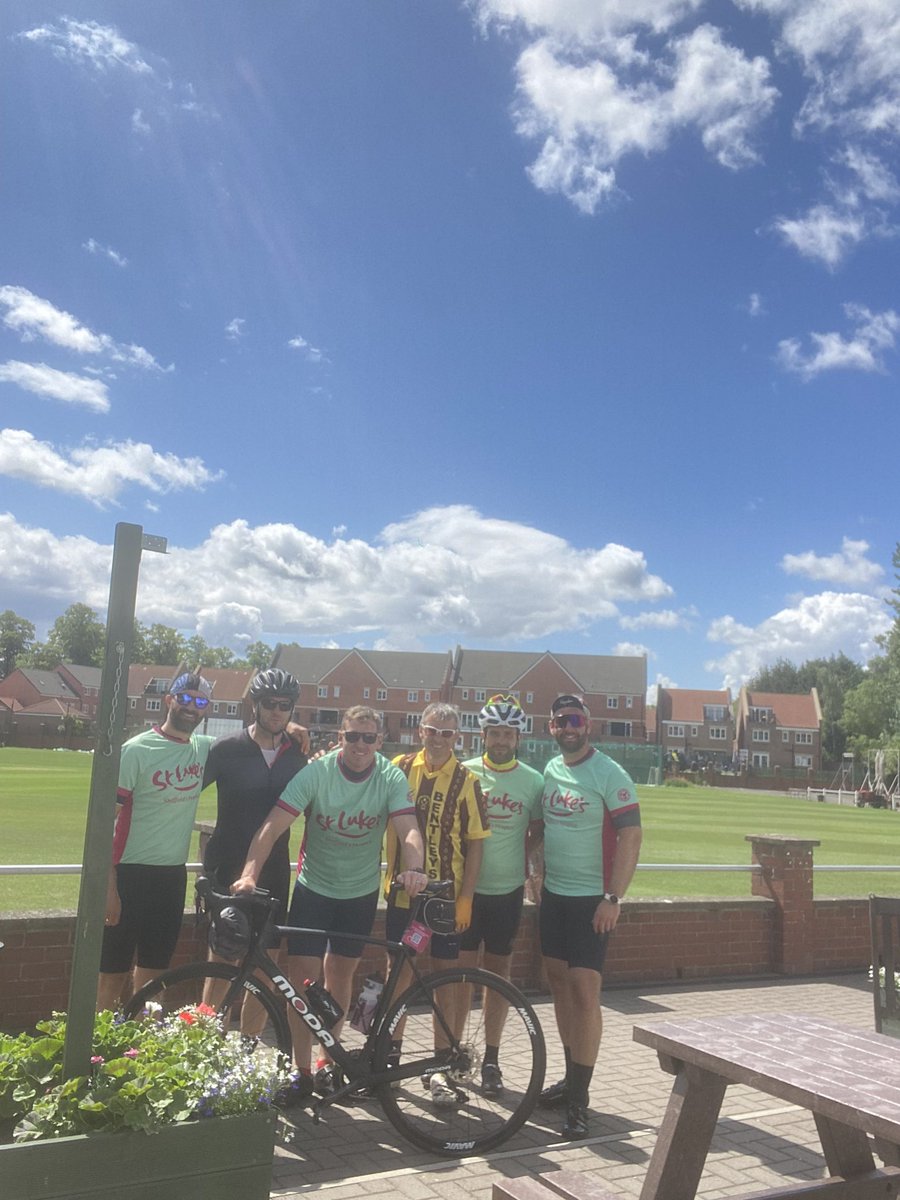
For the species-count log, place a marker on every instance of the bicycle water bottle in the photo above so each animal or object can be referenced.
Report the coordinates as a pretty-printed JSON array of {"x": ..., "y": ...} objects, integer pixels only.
[
  {"x": 366, "y": 1003},
  {"x": 322, "y": 1003}
]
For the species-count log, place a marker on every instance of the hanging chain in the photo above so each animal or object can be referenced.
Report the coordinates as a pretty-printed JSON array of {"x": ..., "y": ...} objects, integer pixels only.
[{"x": 114, "y": 707}]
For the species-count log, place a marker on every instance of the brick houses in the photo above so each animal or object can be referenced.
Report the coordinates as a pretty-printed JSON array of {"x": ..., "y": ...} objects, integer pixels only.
[
  {"x": 777, "y": 731},
  {"x": 697, "y": 726}
]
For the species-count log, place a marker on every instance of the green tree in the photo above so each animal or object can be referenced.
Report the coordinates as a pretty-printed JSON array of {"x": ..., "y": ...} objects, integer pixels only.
[
  {"x": 196, "y": 650},
  {"x": 78, "y": 636},
  {"x": 258, "y": 655},
  {"x": 164, "y": 646},
  {"x": 871, "y": 718},
  {"x": 139, "y": 644},
  {"x": 16, "y": 637}
]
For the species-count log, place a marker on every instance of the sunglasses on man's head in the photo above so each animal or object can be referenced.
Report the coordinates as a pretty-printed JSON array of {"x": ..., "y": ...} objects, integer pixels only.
[
  {"x": 444, "y": 733},
  {"x": 281, "y": 705},
  {"x": 185, "y": 698},
  {"x": 574, "y": 720},
  {"x": 353, "y": 735}
]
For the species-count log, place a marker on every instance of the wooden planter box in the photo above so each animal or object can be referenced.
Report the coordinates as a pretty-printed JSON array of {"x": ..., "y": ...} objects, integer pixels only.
[{"x": 222, "y": 1158}]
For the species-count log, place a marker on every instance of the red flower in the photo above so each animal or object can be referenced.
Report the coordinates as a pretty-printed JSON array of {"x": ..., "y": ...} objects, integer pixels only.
[
  {"x": 187, "y": 1017},
  {"x": 206, "y": 1010}
]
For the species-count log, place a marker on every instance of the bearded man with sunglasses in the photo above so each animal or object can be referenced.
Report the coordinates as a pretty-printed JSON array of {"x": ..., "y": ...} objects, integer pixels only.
[
  {"x": 160, "y": 780},
  {"x": 349, "y": 796},
  {"x": 592, "y": 839}
]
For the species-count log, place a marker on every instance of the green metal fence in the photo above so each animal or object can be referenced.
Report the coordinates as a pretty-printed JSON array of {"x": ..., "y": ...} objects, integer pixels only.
[{"x": 643, "y": 763}]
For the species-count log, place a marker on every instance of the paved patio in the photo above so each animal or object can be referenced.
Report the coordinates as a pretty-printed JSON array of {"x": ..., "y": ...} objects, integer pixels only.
[{"x": 760, "y": 1141}]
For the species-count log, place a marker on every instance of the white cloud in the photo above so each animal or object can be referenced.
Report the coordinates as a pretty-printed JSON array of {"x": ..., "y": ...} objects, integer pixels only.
[
  {"x": 631, "y": 650},
  {"x": 311, "y": 353},
  {"x": 94, "y": 247},
  {"x": 98, "y": 473},
  {"x": 586, "y": 20},
  {"x": 139, "y": 123},
  {"x": 42, "y": 380},
  {"x": 33, "y": 317},
  {"x": 849, "y": 567},
  {"x": 823, "y": 233},
  {"x": 234, "y": 625},
  {"x": 874, "y": 335},
  {"x": 447, "y": 571},
  {"x": 653, "y": 690},
  {"x": 874, "y": 180},
  {"x": 666, "y": 619},
  {"x": 591, "y": 110},
  {"x": 755, "y": 305},
  {"x": 234, "y": 330},
  {"x": 815, "y": 627},
  {"x": 87, "y": 43}
]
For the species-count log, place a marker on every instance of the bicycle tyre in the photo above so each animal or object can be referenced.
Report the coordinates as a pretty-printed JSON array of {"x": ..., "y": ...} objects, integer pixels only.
[
  {"x": 477, "y": 1123},
  {"x": 180, "y": 986}
]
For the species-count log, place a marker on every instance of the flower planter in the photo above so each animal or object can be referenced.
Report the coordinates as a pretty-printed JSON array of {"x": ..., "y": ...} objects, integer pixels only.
[{"x": 223, "y": 1158}]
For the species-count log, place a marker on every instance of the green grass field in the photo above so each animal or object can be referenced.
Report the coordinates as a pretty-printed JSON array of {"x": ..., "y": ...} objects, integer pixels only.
[{"x": 44, "y": 799}]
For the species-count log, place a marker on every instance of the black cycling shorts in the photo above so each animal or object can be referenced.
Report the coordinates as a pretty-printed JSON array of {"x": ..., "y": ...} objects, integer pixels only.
[
  {"x": 150, "y": 924},
  {"x": 495, "y": 921},
  {"x": 315, "y": 911},
  {"x": 567, "y": 931}
]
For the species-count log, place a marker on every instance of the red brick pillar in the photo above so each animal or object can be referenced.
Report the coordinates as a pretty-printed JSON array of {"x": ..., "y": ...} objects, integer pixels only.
[{"x": 787, "y": 878}]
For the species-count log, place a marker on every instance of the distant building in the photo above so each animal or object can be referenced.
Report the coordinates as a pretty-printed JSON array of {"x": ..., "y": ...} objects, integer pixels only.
[
  {"x": 779, "y": 730},
  {"x": 697, "y": 727}
]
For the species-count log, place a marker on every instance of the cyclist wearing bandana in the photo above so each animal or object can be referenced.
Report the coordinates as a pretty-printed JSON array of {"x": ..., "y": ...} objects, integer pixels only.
[{"x": 160, "y": 780}]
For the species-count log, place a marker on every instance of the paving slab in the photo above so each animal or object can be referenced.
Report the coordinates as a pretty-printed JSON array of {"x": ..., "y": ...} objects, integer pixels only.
[{"x": 354, "y": 1153}]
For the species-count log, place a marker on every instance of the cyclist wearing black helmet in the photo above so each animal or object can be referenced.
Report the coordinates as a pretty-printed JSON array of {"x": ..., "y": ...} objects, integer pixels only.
[{"x": 251, "y": 769}]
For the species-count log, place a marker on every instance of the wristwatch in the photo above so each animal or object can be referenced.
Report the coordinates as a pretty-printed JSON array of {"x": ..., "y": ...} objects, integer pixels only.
[{"x": 611, "y": 897}]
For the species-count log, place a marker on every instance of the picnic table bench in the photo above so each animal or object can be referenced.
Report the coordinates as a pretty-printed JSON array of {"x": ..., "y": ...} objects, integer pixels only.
[{"x": 849, "y": 1079}]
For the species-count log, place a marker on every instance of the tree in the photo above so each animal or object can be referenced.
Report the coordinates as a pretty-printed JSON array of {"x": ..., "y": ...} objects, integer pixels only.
[
  {"x": 139, "y": 644},
  {"x": 258, "y": 655},
  {"x": 78, "y": 636},
  {"x": 871, "y": 718},
  {"x": 164, "y": 646},
  {"x": 16, "y": 637}
]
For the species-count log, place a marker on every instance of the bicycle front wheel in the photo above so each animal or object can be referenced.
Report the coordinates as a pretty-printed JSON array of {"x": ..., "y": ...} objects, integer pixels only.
[
  {"x": 246, "y": 1005},
  {"x": 466, "y": 1116}
]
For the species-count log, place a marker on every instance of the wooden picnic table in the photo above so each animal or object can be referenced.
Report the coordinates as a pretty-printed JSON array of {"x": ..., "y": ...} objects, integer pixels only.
[{"x": 848, "y": 1078}]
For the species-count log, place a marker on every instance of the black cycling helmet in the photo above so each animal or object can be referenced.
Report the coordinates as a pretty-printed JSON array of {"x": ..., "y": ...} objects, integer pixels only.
[
  {"x": 274, "y": 682},
  {"x": 229, "y": 932}
]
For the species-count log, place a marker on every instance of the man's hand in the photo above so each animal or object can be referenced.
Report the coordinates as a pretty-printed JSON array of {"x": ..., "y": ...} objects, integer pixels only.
[
  {"x": 113, "y": 907},
  {"x": 246, "y": 883},
  {"x": 606, "y": 916},
  {"x": 412, "y": 882},
  {"x": 463, "y": 913},
  {"x": 299, "y": 735}
]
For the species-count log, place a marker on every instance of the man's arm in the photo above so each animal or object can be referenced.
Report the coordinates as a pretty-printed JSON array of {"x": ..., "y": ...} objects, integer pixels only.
[
  {"x": 299, "y": 735},
  {"x": 412, "y": 853},
  {"x": 534, "y": 861},
  {"x": 275, "y": 824},
  {"x": 471, "y": 871},
  {"x": 628, "y": 849}
]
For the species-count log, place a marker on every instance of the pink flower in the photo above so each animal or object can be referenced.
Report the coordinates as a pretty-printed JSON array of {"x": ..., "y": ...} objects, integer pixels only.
[
  {"x": 132, "y": 1053},
  {"x": 206, "y": 1010},
  {"x": 96, "y": 1060}
]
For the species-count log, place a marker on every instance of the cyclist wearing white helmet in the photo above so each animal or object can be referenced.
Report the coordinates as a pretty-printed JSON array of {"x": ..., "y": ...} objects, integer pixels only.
[{"x": 512, "y": 793}]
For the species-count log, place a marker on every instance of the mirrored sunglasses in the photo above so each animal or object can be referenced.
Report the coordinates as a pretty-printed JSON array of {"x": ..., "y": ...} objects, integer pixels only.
[
  {"x": 186, "y": 699},
  {"x": 282, "y": 705},
  {"x": 573, "y": 720},
  {"x": 353, "y": 735},
  {"x": 444, "y": 733}
]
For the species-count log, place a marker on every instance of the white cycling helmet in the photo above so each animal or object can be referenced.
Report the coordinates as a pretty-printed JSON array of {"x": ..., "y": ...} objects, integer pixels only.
[{"x": 502, "y": 710}]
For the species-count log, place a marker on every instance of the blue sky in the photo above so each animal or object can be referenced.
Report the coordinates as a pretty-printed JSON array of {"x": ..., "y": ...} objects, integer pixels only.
[{"x": 551, "y": 324}]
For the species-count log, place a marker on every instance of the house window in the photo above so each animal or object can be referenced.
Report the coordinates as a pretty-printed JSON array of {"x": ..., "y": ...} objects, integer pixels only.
[
  {"x": 760, "y": 759},
  {"x": 412, "y": 719},
  {"x": 760, "y": 735},
  {"x": 785, "y": 735},
  {"x": 803, "y": 760},
  {"x": 336, "y": 691},
  {"x": 215, "y": 706},
  {"x": 381, "y": 694},
  {"x": 480, "y": 696},
  {"x": 612, "y": 701},
  {"x": 804, "y": 738},
  {"x": 465, "y": 693},
  {"x": 629, "y": 701},
  {"x": 766, "y": 715},
  {"x": 695, "y": 730},
  {"x": 620, "y": 728},
  {"x": 366, "y": 693},
  {"x": 529, "y": 697},
  {"x": 675, "y": 731},
  {"x": 231, "y": 710},
  {"x": 133, "y": 702},
  {"x": 427, "y": 696},
  {"x": 154, "y": 705},
  {"x": 412, "y": 697},
  {"x": 717, "y": 733},
  {"x": 322, "y": 692},
  {"x": 713, "y": 712}
]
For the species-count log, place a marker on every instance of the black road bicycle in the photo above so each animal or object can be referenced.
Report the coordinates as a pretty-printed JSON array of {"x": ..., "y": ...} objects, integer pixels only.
[{"x": 476, "y": 1122}]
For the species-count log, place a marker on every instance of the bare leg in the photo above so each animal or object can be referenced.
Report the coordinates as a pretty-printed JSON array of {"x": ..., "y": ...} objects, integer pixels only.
[
  {"x": 109, "y": 989},
  {"x": 301, "y": 968}
]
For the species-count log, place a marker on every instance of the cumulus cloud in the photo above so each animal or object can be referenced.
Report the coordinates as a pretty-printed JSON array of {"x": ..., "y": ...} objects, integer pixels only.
[
  {"x": 228, "y": 624},
  {"x": 98, "y": 474},
  {"x": 447, "y": 571},
  {"x": 631, "y": 650},
  {"x": 591, "y": 110},
  {"x": 665, "y": 619},
  {"x": 94, "y": 247},
  {"x": 32, "y": 317},
  {"x": 311, "y": 353},
  {"x": 864, "y": 350},
  {"x": 824, "y": 232},
  {"x": 815, "y": 627},
  {"x": 586, "y": 20},
  {"x": 42, "y": 380},
  {"x": 849, "y": 567}
]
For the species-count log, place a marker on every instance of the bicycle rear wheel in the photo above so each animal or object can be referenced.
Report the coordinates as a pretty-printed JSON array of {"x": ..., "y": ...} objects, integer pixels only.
[
  {"x": 475, "y": 1122},
  {"x": 265, "y": 1021}
]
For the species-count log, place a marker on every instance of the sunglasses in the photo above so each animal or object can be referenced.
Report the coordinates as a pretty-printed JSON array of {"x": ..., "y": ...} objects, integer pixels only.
[
  {"x": 572, "y": 720},
  {"x": 444, "y": 733},
  {"x": 281, "y": 705},
  {"x": 186, "y": 699},
  {"x": 353, "y": 735}
]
